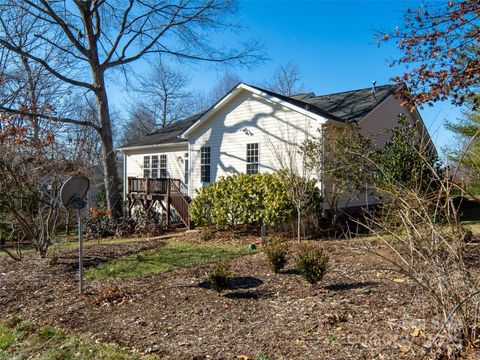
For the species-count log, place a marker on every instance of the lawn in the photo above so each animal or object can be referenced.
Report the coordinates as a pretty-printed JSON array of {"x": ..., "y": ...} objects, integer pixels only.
[
  {"x": 174, "y": 255},
  {"x": 21, "y": 339}
]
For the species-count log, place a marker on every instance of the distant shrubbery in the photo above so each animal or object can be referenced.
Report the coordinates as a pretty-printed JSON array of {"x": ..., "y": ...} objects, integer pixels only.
[{"x": 246, "y": 199}]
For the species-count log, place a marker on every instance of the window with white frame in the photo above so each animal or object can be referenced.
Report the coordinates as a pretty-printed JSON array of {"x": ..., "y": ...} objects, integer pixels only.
[
  {"x": 163, "y": 166},
  {"x": 205, "y": 159},
  {"x": 252, "y": 158},
  {"x": 146, "y": 166},
  {"x": 154, "y": 168},
  {"x": 185, "y": 164}
]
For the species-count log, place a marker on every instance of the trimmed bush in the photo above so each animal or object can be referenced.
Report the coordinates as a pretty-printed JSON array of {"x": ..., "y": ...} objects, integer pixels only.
[
  {"x": 219, "y": 276},
  {"x": 276, "y": 252},
  {"x": 245, "y": 199},
  {"x": 311, "y": 262}
]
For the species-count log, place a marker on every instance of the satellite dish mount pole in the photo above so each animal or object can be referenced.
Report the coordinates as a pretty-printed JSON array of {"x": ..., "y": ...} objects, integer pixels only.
[{"x": 72, "y": 195}]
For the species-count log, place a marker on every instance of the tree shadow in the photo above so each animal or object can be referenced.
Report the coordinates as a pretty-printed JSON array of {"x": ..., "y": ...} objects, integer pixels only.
[
  {"x": 350, "y": 286},
  {"x": 289, "y": 272},
  {"x": 236, "y": 283},
  {"x": 254, "y": 294}
]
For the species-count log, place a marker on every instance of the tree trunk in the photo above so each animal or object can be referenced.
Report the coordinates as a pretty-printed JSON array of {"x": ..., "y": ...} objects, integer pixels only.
[
  {"x": 110, "y": 176},
  {"x": 299, "y": 225},
  {"x": 114, "y": 201}
]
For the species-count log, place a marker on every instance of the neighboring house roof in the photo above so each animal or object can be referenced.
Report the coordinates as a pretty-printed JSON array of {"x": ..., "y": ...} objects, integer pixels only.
[
  {"x": 167, "y": 135},
  {"x": 344, "y": 106},
  {"x": 349, "y": 105}
]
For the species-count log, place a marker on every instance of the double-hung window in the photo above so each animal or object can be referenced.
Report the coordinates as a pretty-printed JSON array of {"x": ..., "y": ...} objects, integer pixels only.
[
  {"x": 155, "y": 166},
  {"x": 205, "y": 161},
  {"x": 146, "y": 166},
  {"x": 252, "y": 158},
  {"x": 154, "y": 169},
  {"x": 185, "y": 163},
  {"x": 163, "y": 166}
]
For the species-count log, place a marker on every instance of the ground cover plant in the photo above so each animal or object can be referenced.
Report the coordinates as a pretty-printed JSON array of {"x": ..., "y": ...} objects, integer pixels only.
[
  {"x": 173, "y": 255},
  {"x": 22, "y": 339},
  {"x": 358, "y": 309}
]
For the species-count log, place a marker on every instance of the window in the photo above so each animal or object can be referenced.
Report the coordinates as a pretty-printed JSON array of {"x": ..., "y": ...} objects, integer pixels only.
[
  {"x": 185, "y": 163},
  {"x": 252, "y": 158},
  {"x": 146, "y": 166},
  {"x": 155, "y": 166},
  {"x": 205, "y": 164},
  {"x": 163, "y": 166},
  {"x": 154, "y": 169}
]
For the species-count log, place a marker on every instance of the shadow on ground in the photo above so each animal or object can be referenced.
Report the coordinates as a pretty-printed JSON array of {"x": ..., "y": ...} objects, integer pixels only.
[{"x": 350, "y": 286}]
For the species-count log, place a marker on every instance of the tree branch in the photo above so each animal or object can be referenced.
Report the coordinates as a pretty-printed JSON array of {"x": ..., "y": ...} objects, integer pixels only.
[{"x": 50, "y": 117}]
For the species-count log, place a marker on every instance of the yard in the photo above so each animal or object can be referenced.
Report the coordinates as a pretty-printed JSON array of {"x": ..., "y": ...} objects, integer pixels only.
[{"x": 149, "y": 297}]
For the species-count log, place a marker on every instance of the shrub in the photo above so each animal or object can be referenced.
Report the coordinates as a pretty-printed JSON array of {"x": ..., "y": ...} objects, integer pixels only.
[
  {"x": 219, "y": 276},
  {"x": 276, "y": 252},
  {"x": 311, "y": 262},
  {"x": 245, "y": 199}
]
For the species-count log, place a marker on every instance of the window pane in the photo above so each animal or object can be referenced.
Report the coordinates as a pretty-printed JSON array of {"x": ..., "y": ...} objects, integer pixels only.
[
  {"x": 155, "y": 162},
  {"x": 163, "y": 166},
  {"x": 252, "y": 158},
  {"x": 146, "y": 173},
  {"x": 205, "y": 164},
  {"x": 154, "y": 173},
  {"x": 146, "y": 162}
]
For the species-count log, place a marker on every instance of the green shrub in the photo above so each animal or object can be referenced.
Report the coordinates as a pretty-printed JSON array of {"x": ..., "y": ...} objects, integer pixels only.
[
  {"x": 311, "y": 262},
  {"x": 277, "y": 252},
  {"x": 245, "y": 199},
  {"x": 219, "y": 276}
]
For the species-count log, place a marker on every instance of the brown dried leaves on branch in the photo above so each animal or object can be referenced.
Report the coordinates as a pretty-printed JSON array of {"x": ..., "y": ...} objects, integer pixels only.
[{"x": 440, "y": 47}]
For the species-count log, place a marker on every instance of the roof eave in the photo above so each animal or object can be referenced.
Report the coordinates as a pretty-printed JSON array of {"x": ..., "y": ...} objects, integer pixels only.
[
  {"x": 154, "y": 146},
  {"x": 236, "y": 90}
]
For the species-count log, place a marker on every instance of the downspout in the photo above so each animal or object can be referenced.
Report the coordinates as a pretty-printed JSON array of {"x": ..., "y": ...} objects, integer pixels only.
[
  {"x": 125, "y": 180},
  {"x": 322, "y": 156}
]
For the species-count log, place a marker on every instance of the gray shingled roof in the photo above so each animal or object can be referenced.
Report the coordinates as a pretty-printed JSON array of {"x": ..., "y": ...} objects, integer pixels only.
[
  {"x": 344, "y": 106},
  {"x": 166, "y": 135},
  {"x": 349, "y": 105}
]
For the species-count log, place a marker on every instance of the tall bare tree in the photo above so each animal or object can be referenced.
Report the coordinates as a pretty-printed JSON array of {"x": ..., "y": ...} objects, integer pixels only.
[
  {"x": 287, "y": 80},
  {"x": 164, "y": 92},
  {"x": 81, "y": 41}
]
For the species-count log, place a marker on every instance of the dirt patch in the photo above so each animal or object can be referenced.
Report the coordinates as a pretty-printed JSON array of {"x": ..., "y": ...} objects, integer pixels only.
[{"x": 360, "y": 311}]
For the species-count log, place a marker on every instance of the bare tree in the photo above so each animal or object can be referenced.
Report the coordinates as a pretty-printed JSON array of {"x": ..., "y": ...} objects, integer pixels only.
[
  {"x": 226, "y": 83},
  {"x": 287, "y": 80},
  {"x": 164, "y": 92},
  {"x": 81, "y": 42},
  {"x": 141, "y": 122}
]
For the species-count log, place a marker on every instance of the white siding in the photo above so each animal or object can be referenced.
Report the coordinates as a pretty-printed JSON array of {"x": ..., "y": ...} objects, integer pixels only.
[
  {"x": 175, "y": 160},
  {"x": 248, "y": 118},
  {"x": 377, "y": 124}
]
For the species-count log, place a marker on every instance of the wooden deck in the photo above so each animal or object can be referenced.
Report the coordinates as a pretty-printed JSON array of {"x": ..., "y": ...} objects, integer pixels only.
[{"x": 167, "y": 191}]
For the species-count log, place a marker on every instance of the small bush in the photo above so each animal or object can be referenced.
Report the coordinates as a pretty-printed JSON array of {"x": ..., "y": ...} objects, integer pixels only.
[
  {"x": 277, "y": 252},
  {"x": 311, "y": 262},
  {"x": 219, "y": 276}
]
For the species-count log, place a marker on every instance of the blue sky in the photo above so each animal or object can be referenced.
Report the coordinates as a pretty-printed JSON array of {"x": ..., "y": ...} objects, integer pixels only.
[{"x": 331, "y": 41}]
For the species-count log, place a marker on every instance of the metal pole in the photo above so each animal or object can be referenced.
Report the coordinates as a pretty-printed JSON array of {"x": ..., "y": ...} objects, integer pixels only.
[{"x": 80, "y": 252}]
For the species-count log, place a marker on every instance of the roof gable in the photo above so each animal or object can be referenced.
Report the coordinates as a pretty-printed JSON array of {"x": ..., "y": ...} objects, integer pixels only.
[{"x": 340, "y": 107}]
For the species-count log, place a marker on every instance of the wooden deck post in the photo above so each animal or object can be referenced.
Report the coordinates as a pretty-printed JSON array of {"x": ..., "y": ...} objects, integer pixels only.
[{"x": 167, "y": 203}]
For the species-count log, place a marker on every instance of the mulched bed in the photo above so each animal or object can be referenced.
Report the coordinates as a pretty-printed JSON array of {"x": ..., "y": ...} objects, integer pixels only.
[{"x": 360, "y": 311}]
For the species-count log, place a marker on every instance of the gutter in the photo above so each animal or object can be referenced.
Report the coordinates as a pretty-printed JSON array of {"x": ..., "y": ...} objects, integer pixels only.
[{"x": 155, "y": 146}]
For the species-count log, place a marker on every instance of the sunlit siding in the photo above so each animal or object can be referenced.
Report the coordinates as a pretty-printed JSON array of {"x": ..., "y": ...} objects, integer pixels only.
[
  {"x": 378, "y": 124},
  {"x": 248, "y": 118}
]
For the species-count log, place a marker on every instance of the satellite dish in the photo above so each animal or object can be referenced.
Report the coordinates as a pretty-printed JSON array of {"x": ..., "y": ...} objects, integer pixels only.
[{"x": 73, "y": 192}]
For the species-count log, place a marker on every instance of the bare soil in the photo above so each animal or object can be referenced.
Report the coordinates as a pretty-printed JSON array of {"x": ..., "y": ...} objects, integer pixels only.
[{"x": 361, "y": 310}]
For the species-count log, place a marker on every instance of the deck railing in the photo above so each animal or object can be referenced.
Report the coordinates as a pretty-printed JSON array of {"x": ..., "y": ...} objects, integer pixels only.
[
  {"x": 150, "y": 186},
  {"x": 170, "y": 188}
]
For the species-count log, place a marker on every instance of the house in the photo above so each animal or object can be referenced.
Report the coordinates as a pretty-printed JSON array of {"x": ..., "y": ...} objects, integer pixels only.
[{"x": 245, "y": 132}]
